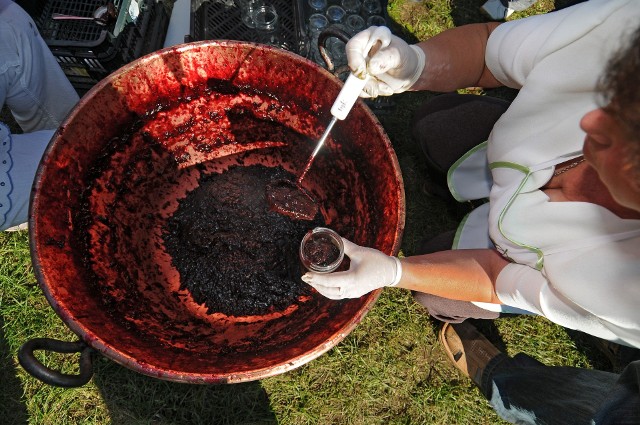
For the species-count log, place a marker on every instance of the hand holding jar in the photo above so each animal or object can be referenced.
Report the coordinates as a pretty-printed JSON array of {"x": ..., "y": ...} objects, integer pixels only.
[{"x": 370, "y": 269}]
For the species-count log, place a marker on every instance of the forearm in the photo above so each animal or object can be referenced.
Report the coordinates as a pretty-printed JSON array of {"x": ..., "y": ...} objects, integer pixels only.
[
  {"x": 455, "y": 59},
  {"x": 467, "y": 275}
]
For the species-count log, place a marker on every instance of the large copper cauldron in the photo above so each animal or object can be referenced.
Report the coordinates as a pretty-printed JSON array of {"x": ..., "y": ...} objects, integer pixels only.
[{"x": 112, "y": 282}]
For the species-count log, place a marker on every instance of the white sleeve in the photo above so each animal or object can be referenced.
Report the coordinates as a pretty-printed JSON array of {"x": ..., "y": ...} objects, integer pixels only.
[
  {"x": 521, "y": 286},
  {"x": 526, "y": 288},
  {"x": 513, "y": 48},
  {"x": 516, "y": 47}
]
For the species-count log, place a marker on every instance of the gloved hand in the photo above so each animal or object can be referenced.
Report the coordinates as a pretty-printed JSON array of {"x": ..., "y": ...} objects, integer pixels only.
[
  {"x": 370, "y": 269},
  {"x": 393, "y": 64}
]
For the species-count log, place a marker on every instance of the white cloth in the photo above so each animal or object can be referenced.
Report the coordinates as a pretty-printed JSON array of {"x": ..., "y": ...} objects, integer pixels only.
[
  {"x": 19, "y": 158},
  {"x": 573, "y": 262},
  {"x": 179, "y": 24},
  {"x": 39, "y": 95}
]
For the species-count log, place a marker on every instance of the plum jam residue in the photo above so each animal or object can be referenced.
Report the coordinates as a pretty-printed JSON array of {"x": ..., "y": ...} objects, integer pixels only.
[{"x": 234, "y": 254}]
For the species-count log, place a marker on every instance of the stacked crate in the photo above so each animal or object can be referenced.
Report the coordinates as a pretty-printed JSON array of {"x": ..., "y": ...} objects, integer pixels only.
[{"x": 87, "y": 51}]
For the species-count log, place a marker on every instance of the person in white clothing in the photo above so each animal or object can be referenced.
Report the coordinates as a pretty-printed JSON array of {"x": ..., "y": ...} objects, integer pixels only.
[
  {"x": 559, "y": 167},
  {"x": 552, "y": 231},
  {"x": 39, "y": 95}
]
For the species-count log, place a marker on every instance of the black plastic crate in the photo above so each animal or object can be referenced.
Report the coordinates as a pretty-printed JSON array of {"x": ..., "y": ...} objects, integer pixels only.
[
  {"x": 221, "y": 20},
  {"x": 88, "y": 52}
]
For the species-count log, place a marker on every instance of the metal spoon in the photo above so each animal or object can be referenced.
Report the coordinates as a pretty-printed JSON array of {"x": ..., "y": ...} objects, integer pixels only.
[{"x": 101, "y": 16}]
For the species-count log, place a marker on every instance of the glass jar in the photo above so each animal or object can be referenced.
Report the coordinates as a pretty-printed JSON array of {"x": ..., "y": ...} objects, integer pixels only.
[
  {"x": 371, "y": 7},
  {"x": 318, "y": 6},
  {"x": 315, "y": 25},
  {"x": 351, "y": 6},
  {"x": 376, "y": 21},
  {"x": 265, "y": 18},
  {"x": 336, "y": 14},
  {"x": 321, "y": 250},
  {"x": 317, "y": 22},
  {"x": 266, "y": 22},
  {"x": 247, "y": 10},
  {"x": 354, "y": 24},
  {"x": 337, "y": 48}
]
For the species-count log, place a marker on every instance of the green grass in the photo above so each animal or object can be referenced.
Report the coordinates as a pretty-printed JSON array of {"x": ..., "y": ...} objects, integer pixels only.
[{"x": 389, "y": 370}]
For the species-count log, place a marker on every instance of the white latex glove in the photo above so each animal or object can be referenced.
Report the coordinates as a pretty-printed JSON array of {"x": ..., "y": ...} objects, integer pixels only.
[
  {"x": 370, "y": 269},
  {"x": 394, "y": 65}
]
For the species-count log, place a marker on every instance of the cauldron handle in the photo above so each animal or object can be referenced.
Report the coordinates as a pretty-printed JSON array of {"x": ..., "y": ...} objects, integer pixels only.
[
  {"x": 49, "y": 376},
  {"x": 331, "y": 31}
]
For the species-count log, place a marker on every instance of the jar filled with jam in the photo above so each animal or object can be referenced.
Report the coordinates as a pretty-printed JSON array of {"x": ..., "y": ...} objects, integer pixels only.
[{"x": 321, "y": 250}]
